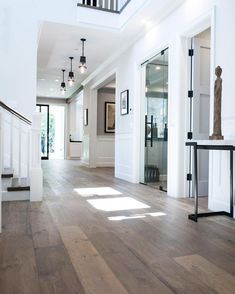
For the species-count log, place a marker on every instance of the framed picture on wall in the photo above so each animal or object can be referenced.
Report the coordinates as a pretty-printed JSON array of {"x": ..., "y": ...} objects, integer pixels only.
[
  {"x": 124, "y": 102},
  {"x": 109, "y": 117},
  {"x": 85, "y": 117}
]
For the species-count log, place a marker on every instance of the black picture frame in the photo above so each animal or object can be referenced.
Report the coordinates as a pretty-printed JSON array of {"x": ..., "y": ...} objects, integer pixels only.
[
  {"x": 109, "y": 120},
  {"x": 85, "y": 117},
  {"x": 124, "y": 102}
]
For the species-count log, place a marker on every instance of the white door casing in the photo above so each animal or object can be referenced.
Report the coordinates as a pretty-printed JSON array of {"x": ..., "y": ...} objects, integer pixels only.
[{"x": 201, "y": 107}]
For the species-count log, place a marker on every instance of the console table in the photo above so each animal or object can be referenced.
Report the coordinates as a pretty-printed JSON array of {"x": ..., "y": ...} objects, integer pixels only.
[{"x": 211, "y": 145}]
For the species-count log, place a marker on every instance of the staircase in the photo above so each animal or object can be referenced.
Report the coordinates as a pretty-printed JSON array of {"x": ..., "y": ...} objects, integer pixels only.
[{"x": 20, "y": 158}]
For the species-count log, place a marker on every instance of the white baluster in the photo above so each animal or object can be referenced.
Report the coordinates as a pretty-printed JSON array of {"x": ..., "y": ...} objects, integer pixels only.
[
  {"x": 115, "y": 5},
  {"x": 109, "y": 4},
  {"x": 103, "y": 3}
]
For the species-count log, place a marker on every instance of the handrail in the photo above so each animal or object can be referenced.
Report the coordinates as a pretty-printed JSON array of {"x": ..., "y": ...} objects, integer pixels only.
[{"x": 14, "y": 112}]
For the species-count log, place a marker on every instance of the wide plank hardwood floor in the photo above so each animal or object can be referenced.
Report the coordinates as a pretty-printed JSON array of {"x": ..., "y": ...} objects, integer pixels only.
[{"x": 95, "y": 234}]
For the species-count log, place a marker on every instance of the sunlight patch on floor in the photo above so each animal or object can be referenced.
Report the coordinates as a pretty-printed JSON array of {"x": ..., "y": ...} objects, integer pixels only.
[
  {"x": 116, "y": 204},
  {"x": 136, "y": 216},
  {"x": 99, "y": 191}
]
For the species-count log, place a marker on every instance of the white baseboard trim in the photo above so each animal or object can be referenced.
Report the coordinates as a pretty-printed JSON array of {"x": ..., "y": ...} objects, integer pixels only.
[
  {"x": 105, "y": 161},
  {"x": 216, "y": 205},
  {"x": 84, "y": 163},
  {"x": 105, "y": 164},
  {"x": 125, "y": 177}
]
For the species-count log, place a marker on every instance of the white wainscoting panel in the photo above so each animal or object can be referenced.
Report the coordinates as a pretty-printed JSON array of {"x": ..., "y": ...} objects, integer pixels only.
[
  {"x": 85, "y": 150},
  {"x": 124, "y": 157},
  {"x": 105, "y": 151},
  {"x": 219, "y": 178}
]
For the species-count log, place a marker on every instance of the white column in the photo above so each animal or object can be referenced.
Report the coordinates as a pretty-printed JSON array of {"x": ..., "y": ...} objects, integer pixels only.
[
  {"x": 36, "y": 184},
  {"x": 1, "y": 151}
]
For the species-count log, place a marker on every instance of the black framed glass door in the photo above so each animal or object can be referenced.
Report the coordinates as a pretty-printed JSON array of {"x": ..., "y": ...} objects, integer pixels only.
[
  {"x": 156, "y": 122},
  {"x": 44, "y": 110}
]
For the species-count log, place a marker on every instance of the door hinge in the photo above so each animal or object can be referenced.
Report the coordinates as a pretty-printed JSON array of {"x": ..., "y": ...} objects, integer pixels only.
[
  {"x": 190, "y": 135},
  {"x": 189, "y": 177},
  {"x": 190, "y": 52},
  {"x": 190, "y": 94}
]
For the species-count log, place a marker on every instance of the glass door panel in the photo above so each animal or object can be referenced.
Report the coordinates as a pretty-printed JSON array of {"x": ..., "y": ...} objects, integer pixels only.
[
  {"x": 44, "y": 109},
  {"x": 156, "y": 121}
]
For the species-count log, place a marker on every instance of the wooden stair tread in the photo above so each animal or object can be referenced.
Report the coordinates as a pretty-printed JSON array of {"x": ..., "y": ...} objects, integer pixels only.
[
  {"x": 19, "y": 184},
  {"x": 7, "y": 173}
]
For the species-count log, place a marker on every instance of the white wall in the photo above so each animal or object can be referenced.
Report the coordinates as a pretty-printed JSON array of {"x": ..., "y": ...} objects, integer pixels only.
[
  {"x": 191, "y": 18},
  {"x": 19, "y": 35}
]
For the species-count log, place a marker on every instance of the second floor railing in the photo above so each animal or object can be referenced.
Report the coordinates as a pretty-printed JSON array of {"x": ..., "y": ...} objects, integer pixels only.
[{"x": 115, "y": 6}]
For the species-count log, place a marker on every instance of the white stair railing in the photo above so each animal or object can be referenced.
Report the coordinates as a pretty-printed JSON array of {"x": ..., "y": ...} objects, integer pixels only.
[
  {"x": 111, "y": 5},
  {"x": 20, "y": 150}
]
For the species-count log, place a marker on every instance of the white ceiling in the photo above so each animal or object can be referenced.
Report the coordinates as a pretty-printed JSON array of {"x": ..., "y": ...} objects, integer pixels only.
[{"x": 58, "y": 42}]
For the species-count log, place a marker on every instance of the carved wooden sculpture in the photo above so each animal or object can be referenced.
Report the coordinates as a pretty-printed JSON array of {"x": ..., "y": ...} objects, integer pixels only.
[{"x": 217, "y": 134}]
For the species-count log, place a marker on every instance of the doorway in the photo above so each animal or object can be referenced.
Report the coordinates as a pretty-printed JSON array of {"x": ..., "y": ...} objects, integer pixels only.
[
  {"x": 52, "y": 131},
  {"x": 199, "y": 94},
  {"x": 154, "y": 166},
  {"x": 44, "y": 110},
  {"x": 56, "y": 132}
]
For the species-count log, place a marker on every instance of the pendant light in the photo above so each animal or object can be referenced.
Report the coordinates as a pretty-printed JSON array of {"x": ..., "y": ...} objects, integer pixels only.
[
  {"x": 63, "y": 86},
  {"x": 71, "y": 74},
  {"x": 82, "y": 66}
]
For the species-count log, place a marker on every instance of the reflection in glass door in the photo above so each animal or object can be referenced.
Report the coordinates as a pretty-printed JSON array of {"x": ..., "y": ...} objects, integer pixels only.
[
  {"x": 156, "y": 122},
  {"x": 44, "y": 109}
]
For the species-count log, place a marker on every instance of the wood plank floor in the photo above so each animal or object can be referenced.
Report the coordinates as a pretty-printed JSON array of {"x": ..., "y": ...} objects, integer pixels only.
[{"x": 94, "y": 234}]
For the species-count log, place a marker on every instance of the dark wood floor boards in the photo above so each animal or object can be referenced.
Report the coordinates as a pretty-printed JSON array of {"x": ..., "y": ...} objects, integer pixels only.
[
  {"x": 18, "y": 271},
  {"x": 65, "y": 245}
]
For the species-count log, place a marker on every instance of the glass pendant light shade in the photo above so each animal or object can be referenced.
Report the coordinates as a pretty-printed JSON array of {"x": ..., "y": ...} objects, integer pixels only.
[
  {"x": 82, "y": 66},
  {"x": 71, "y": 79},
  {"x": 62, "y": 85}
]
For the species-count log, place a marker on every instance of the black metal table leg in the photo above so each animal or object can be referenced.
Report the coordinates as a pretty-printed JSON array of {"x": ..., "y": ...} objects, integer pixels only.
[
  {"x": 195, "y": 182},
  {"x": 195, "y": 215},
  {"x": 231, "y": 183},
  {"x": 197, "y": 147}
]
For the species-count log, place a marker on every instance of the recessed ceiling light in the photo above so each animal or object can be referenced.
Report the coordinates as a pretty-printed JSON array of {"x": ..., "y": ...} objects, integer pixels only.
[
  {"x": 42, "y": 79},
  {"x": 57, "y": 81},
  {"x": 158, "y": 67}
]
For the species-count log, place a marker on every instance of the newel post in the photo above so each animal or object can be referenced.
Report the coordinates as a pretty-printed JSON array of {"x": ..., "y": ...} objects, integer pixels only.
[
  {"x": 1, "y": 151},
  {"x": 36, "y": 181}
]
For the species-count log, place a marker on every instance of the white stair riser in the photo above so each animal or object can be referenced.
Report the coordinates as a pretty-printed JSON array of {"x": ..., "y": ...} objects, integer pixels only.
[
  {"x": 6, "y": 182},
  {"x": 15, "y": 196}
]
